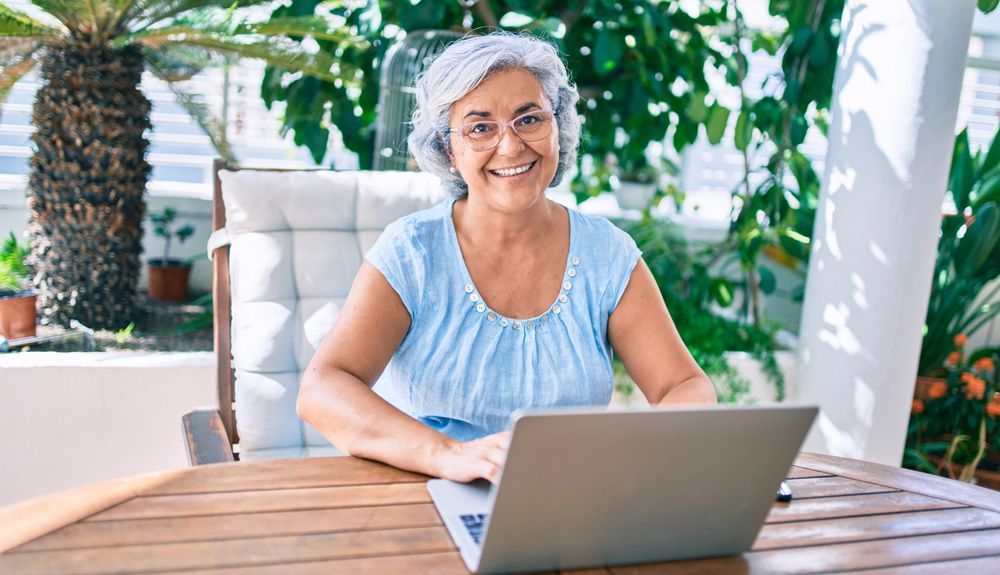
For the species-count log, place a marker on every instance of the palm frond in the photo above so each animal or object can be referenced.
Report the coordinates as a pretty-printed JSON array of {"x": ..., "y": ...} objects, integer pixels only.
[
  {"x": 68, "y": 12},
  {"x": 14, "y": 24},
  {"x": 178, "y": 63},
  {"x": 280, "y": 52},
  {"x": 147, "y": 13},
  {"x": 317, "y": 27},
  {"x": 194, "y": 105}
]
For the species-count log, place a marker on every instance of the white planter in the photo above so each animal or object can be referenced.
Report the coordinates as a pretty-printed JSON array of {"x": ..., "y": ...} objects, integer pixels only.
[
  {"x": 67, "y": 419},
  {"x": 634, "y": 195}
]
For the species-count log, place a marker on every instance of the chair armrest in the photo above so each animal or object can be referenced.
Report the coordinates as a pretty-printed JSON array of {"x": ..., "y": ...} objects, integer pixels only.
[{"x": 205, "y": 437}]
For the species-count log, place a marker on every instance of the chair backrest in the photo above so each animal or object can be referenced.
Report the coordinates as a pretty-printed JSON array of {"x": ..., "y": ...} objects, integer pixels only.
[{"x": 292, "y": 242}]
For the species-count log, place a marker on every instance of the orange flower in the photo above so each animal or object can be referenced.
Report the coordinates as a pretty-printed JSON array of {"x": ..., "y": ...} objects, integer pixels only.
[
  {"x": 983, "y": 364},
  {"x": 952, "y": 360},
  {"x": 967, "y": 376},
  {"x": 918, "y": 406},
  {"x": 961, "y": 339},
  {"x": 993, "y": 408},
  {"x": 937, "y": 390},
  {"x": 974, "y": 388}
]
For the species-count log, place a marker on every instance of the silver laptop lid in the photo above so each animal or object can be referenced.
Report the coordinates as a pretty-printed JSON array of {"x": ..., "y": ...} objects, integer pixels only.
[{"x": 599, "y": 487}]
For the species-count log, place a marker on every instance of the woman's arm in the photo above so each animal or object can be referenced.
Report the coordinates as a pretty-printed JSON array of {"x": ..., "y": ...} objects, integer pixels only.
[
  {"x": 644, "y": 336},
  {"x": 336, "y": 398}
]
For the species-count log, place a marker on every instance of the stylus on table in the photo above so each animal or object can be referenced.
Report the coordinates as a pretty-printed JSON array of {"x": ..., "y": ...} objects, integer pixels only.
[{"x": 784, "y": 492}]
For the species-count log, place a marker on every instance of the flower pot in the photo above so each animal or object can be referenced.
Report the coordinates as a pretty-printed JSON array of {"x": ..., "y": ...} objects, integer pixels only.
[
  {"x": 168, "y": 282},
  {"x": 635, "y": 195},
  {"x": 17, "y": 315}
]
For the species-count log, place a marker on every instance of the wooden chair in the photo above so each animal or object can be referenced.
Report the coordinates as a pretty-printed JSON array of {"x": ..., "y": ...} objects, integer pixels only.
[{"x": 285, "y": 247}]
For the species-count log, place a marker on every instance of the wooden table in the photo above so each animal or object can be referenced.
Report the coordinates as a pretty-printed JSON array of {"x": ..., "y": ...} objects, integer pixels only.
[{"x": 346, "y": 515}]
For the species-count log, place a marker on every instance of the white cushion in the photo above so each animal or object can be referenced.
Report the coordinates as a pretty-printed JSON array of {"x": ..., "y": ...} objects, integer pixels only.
[{"x": 297, "y": 241}]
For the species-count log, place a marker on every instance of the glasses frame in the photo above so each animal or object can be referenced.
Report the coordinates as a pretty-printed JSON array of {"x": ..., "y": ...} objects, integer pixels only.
[{"x": 503, "y": 129}]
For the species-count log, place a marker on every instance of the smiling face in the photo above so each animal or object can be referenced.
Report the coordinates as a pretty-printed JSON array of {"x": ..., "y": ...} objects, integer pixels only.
[{"x": 515, "y": 173}]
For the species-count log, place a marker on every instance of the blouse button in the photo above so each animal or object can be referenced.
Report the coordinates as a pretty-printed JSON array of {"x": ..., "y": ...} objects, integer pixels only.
[
  {"x": 567, "y": 286},
  {"x": 563, "y": 298},
  {"x": 545, "y": 319},
  {"x": 530, "y": 323},
  {"x": 575, "y": 261},
  {"x": 517, "y": 325},
  {"x": 491, "y": 316},
  {"x": 473, "y": 297},
  {"x": 556, "y": 309},
  {"x": 571, "y": 273},
  {"x": 504, "y": 322},
  {"x": 480, "y": 308},
  {"x": 468, "y": 288}
]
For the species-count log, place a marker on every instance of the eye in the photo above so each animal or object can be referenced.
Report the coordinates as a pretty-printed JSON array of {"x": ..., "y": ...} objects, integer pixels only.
[{"x": 480, "y": 128}]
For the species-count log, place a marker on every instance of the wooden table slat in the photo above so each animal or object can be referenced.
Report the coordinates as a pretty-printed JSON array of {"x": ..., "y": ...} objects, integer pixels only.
[
  {"x": 840, "y": 557},
  {"x": 221, "y": 527},
  {"x": 904, "y": 479},
  {"x": 438, "y": 563},
  {"x": 283, "y": 474},
  {"x": 236, "y": 552},
  {"x": 832, "y": 486},
  {"x": 983, "y": 565},
  {"x": 270, "y": 500},
  {"x": 846, "y": 529},
  {"x": 854, "y": 506},
  {"x": 802, "y": 472}
]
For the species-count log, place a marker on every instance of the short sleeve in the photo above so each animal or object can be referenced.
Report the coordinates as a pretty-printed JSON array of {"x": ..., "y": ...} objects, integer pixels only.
[
  {"x": 400, "y": 258},
  {"x": 623, "y": 256}
]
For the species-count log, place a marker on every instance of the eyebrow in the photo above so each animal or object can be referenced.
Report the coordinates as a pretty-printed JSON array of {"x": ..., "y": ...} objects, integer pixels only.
[{"x": 523, "y": 108}]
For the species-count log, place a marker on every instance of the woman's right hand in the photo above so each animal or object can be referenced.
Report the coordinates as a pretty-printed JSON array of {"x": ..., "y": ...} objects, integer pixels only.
[{"x": 480, "y": 458}]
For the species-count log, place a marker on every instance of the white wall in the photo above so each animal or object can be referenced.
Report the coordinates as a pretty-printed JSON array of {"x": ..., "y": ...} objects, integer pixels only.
[{"x": 68, "y": 419}]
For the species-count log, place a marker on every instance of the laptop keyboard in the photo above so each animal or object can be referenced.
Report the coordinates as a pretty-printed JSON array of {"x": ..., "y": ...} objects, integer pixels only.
[{"x": 474, "y": 524}]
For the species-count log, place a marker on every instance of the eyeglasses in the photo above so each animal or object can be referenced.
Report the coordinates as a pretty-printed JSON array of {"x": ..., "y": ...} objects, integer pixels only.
[{"x": 485, "y": 135}]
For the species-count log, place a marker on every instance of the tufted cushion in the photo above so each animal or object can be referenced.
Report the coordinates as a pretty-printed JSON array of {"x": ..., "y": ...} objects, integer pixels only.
[{"x": 297, "y": 241}]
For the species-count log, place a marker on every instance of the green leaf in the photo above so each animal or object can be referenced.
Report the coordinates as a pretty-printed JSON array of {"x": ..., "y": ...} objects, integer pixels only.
[
  {"x": 718, "y": 118},
  {"x": 988, "y": 6},
  {"x": 992, "y": 159},
  {"x": 722, "y": 291},
  {"x": 607, "y": 51},
  {"x": 744, "y": 130},
  {"x": 696, "y": 108},
  {"x": 800, "y": 40},
  {"x": 819, "y": 52},
  {"x": 798, "y": 130},
  {"x": 515, "y": 20},
  {"x": 979, "y": 240},
  {"x": 961, "y": 177},
  {"x": 986, "y": 189},
  {"x": 767, "y": 280}
]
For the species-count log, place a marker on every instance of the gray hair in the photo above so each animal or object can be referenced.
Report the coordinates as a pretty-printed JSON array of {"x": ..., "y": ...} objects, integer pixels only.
[{"x": 460, "y": 68}]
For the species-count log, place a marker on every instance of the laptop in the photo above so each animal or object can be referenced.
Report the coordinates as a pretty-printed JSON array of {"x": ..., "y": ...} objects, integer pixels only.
[{"x": 594, "y": 487}]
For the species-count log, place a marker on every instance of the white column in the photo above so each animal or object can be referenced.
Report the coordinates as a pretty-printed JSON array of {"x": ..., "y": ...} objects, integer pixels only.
[{"x": 896, "y": 95}]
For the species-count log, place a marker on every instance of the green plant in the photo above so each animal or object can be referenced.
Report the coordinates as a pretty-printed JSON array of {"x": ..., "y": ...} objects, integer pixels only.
[
  {"x": 163, "y": 226},
  {"x": 962, "y": 298},
  {"x": 14, "y": 270},
  {"x": 124, "y": 334},
  {"x": 694, "y": 297},
  {"x": 955, "y": 424},
  {"x": 89, "y": 170}
]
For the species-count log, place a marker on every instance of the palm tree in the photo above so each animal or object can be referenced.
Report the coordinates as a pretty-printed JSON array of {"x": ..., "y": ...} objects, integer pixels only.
[{"x": 88, "y": 171}]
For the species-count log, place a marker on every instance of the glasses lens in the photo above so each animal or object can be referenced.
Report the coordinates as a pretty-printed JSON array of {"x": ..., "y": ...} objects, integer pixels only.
[
  {"x": 534, "y": 125},
  {"x": 481, "y": 135}
]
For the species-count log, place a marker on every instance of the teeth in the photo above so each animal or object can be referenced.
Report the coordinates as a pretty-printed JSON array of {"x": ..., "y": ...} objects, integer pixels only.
[{"x": 513, "y": 171}]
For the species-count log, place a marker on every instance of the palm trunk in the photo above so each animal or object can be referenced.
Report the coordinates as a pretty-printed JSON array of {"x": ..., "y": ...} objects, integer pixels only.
[{"x": 87, "y": 184}]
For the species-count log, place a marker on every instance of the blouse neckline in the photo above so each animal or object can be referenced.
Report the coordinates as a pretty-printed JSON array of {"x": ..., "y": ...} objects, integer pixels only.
[{"x": 470, "y": 293}]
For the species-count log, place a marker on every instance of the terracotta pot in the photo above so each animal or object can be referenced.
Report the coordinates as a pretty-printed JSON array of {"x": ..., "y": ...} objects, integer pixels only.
[
  {"x": 17, "y": 315},
  {"x": 924, "y": 385},
  {"x": 168, "y": 282}
]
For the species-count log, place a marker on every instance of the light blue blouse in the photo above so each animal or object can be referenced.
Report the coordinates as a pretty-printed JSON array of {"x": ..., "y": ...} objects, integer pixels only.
[{"x": 462, "y": 368}]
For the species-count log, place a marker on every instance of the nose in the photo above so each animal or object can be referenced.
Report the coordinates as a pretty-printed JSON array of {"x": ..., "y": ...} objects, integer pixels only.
[{"x": 510, "y": 144}]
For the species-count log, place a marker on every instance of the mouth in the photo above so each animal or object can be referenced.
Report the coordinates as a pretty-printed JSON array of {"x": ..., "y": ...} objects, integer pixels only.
[{"x": 513, "y": 171}]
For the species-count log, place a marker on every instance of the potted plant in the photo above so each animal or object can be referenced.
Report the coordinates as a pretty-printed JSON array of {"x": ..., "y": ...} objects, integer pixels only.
[
  {"x": 168, "y": 278},
  {"x": 955, "y": 423},
  {"x": 636, "y": 184},
  {"x": 17, "y": 301}
]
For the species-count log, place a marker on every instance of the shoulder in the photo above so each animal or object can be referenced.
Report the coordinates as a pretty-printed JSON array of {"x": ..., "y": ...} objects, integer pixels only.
[
  {"x": 415, "y": 230},
  {"x": 600, "y": 236}
]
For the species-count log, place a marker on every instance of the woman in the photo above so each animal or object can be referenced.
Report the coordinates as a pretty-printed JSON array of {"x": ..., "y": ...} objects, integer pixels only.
[{"x": 499, "y": 298}]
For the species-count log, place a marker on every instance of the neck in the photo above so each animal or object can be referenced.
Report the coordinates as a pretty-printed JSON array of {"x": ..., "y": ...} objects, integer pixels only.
[{"x": 481, "y": 224}]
